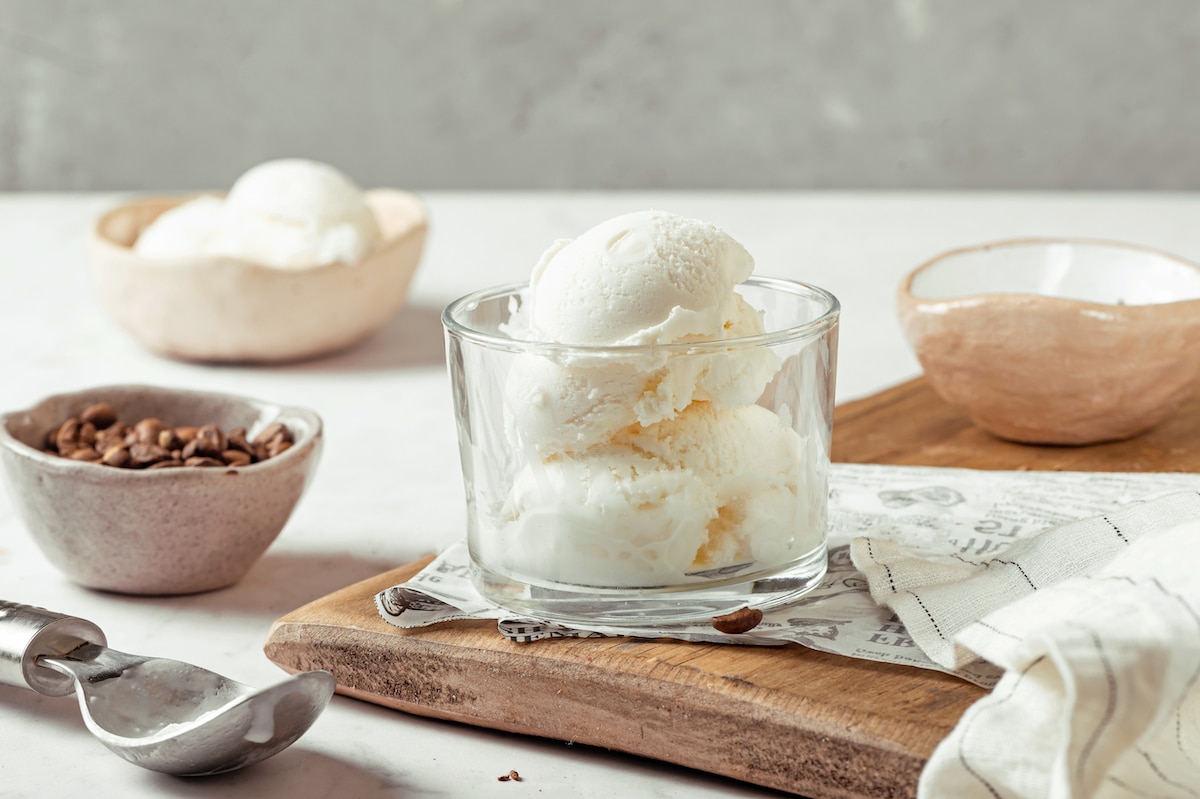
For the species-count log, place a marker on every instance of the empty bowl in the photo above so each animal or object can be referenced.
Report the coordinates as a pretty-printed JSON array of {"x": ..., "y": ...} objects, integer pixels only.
[
  {"x": 220, "y": 309},
  {"x": 1057, "y": 341},
  {"x": 156, "y": 531}
]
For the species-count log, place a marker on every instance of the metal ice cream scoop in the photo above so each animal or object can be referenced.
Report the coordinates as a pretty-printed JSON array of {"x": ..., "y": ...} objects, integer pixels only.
[{"x": 160, "y": 714}]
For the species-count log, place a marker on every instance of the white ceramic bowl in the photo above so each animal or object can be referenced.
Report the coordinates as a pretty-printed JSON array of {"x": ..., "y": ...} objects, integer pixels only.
[
  {"x": 1057, "y": 341},
  {"x": 220, "y": 309},
  {"x": 163, "y": 531}
]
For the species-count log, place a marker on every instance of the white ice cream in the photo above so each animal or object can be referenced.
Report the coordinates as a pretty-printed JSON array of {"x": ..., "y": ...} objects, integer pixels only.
[
  {"x": 295, "y": 213},
  {"x": 647, "y": 465},
  {"x": 642, "y": 278},
  {"x": 185, "y": 230},
  {"x": 759, "y": 471},
  {"x": 288, "y": 214},
  {"x": 710, "y": 489},
  {"x": 608, "y": 518},
  {"x": 638, "y": 280}
]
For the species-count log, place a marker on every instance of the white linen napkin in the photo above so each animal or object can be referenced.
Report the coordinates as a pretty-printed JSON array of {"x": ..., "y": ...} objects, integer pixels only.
[{"x": 1097, "y": 624}]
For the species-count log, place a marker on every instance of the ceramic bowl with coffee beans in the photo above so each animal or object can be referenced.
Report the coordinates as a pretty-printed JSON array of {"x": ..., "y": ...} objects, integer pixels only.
[{"x": 157, "y": 491}]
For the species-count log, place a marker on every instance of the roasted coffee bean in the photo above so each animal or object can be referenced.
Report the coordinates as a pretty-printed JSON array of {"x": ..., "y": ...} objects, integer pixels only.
[
  {"x": 101, "y": 415},
  {"x": 168, "y": 440},
  {"x": 108, "y": 438},
  {"x": 148, "y": 429},
  {"x": 270, "y": 431},
  {"x": 202, "y": 461},
  {"x": 87, "y": 435},
  {"x": 68, "y": 435},
  {"x": 116, "y": 456},
  {"x": 104, "y": 439},
  {"x": 170, "y": 464},
  {"x": 235, "y": 457},
  {"x": 210, "y": 441},
  {"x": 740, "y": 621},
  {"x": 142, "y": 455},
  {"x": 237, "y": 440},
  {"x": 278, "y": 447}
]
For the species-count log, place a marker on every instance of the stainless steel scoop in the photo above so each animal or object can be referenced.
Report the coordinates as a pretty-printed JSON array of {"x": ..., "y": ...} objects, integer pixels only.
[{"x": 160, "y": 714}]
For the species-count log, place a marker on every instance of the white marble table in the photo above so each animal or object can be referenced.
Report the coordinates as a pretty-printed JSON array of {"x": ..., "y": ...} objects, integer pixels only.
[{"x": 388, "y": 489}]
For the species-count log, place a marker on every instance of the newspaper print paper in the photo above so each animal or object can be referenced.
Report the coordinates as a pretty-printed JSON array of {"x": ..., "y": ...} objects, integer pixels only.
[{"x": 932, "y": 511}]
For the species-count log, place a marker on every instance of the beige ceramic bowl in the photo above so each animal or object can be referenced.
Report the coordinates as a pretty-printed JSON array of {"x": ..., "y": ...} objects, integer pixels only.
[
  {"x": 168, "y": 531},
  {"x": 1057, "y": 341},
  {"x": 220, "y": 309}
]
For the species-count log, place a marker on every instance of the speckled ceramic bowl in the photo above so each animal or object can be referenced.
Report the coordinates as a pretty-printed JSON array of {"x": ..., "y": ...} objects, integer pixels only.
[
  {"x": 1057, "y": 341},
  {"x": 163, "y": 531},
  {"x": 219, "y": 309}
]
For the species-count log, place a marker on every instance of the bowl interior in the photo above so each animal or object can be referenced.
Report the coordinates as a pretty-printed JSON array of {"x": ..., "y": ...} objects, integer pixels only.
[
  {"x": 1099, "y": 272},
  {"x": 173, "y": 407}
]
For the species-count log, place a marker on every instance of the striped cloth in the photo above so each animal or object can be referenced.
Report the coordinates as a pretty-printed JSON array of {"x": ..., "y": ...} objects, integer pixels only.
[{"x": 1097, "y": 625}]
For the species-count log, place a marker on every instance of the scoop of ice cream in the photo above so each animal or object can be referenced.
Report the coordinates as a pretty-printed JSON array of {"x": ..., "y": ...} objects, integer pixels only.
[
  {"x": 556, "y": 408},
  {"x": 613, "y": 518},
  {"x": 648, "y": 278},
  {"x": 182, "y": 231},
  {"x": 642, "y": 278},
  {"x": 709, "y": 490},
  {"x": 295, "y": 213},
  {"x": 553, "y": 409},
  {"x": 736, "y": 377},
  {"x": 755, "y": 468}
]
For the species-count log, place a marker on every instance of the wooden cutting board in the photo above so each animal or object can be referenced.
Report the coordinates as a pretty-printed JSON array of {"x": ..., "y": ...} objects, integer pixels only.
[{"x": 790, "y": 718}]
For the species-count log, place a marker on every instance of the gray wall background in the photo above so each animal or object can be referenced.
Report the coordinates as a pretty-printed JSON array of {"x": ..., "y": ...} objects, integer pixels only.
[{"x": 539, "y": 94}]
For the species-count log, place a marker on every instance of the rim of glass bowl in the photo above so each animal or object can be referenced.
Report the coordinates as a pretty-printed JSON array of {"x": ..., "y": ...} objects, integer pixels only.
[{"x": 501, "y": 341}]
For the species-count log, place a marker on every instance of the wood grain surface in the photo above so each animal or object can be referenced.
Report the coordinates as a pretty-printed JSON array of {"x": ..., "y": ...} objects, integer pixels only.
[
  {"x": 787, "y": 717},
  {"x": 910, "y": 424}
]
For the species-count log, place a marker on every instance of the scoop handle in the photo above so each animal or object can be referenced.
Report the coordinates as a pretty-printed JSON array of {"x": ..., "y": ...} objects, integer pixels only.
[{"x": 26, "y": 633}]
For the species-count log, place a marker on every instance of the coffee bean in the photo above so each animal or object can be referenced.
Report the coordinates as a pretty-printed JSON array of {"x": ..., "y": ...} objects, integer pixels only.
[
  {"x": 148, "y": 429},
  {"x": 237, "y": 440},
  {"x": 108, "y": 438},
  {"x": 68, "y": 435},
  {"x": 235, "y": 457},
  {"x": 142, "y": 455},
  {"x": 270, "y": 431},
  {"x": 87, "y": 434},
  {"x": 168, "y": 440},
  {"x": 171, "y": 464},
  {"x": 210, "y": 441},
  {"x": 101, "y": 415},
  {"x": 104, "y": 439},
  {"x": 278, "y": 447},
  {"x": 739, "y": 621},
  {"x": 116, "y": 456},
  {"x": 201, "y": 461}
]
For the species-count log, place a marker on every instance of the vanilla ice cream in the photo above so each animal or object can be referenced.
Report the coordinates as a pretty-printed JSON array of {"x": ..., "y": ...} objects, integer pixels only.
[
  {"x": 636, "y": 281},
  {"x": 642, "y": 457},
  {"x": 288, "y": 214},
  {"x": 708, "y": 491},
  {"x": 642, "y": 278},
  {"x": 609, "y": 518},
  {"x": 185, "y": 230}
]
